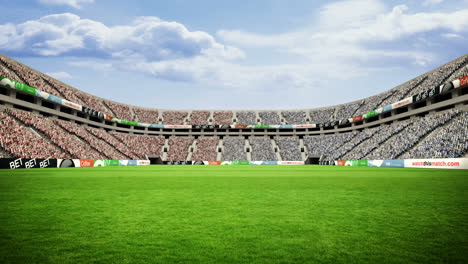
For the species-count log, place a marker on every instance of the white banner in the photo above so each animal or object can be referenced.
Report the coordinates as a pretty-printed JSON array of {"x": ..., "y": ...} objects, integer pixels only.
[{"x": 458, "y": 163}]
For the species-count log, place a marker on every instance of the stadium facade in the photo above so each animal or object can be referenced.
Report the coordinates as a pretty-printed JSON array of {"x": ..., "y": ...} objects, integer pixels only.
[{"x": 424, "y": 118}]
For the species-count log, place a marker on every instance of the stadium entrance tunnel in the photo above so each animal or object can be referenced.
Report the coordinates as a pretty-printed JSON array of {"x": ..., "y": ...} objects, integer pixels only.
[
  {"x": 312, "y": 160},
  {"x": 155, "y": 160}
]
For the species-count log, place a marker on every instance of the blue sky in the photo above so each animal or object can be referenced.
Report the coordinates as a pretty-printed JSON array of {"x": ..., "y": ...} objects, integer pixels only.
[{"x": 205, "y": 54}]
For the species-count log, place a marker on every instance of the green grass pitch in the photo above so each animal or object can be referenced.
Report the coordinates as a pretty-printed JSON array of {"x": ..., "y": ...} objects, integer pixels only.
[{"x": 233, "y": 214}]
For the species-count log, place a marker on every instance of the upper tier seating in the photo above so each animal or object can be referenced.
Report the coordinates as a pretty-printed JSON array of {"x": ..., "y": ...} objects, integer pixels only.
[
  {"x": 205, "y": 149},
  {"x": 148, "y": 116},
  {"x": 270, "y": 118},
  {"x": 121, "y": 111},
  {"x": 294, "y": 117},
  {"x": 174, "y": 117},
  {"x": 347, "y": 110},
  {"x": 222, "y": 118},
  {"x": 246, "y": 118},
  {"x": 321, "y": 116},
  {"x": 199, "y": 117},
  {"x": 67, "y": 92}
]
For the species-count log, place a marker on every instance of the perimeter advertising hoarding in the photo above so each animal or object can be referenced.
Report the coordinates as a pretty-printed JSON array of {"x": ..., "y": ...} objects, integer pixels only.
[
  {"x": 20, "y": 163},
  {"x": 386, "y": 163},
  {"x": 106, "y": 163},
  {"x": 264, "y": 162},
  {"x": 428, "y": 93},
  {"x": 460, "y": 163},
  {"x": 290, "y": 162},
  {"x": 403, "y": 102}
]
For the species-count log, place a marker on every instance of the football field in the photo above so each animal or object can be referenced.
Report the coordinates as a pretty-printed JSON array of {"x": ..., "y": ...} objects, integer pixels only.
[{"x": 233, "y": 214}]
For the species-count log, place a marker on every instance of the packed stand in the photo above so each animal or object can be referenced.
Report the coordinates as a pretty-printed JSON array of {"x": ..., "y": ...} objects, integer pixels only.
[
  {"x": 321, "y": 116},
  {"x": 294, "y": 117},
  {"x": 23, "y": 143},
  {"x": 174, "y": 117},
  {"x": 349, "y": 145},
  {"x": 262, "y": 149},
  {"x": 148, "y": 116},
  {"x": 450, "y": 141},
  {"x": 385, "y": 132},
  {"x": 178, "y": 148},
  {"x": 58, "y": 135},
  {"x": 439, "y": 75},
  {"x": 408, "y": 137},
  {"x": 289, "y": 148},
  {"x": 101, "y": 146},
  {"x": 371, "y": 103},
  {"x": 234, "y": 148},
  {"x": 462, "y": 72},
  {"x": 246, "y": 118},
  {"x": 270, "y": 118},
  {"x": 93, "y": 103},
  {"x": 67, "y": 92},
  {"x": 142, "y": 145},
  {"x": 222, "y": 118},
  {"x": 205, "y": 149},
  {"x": 326, "y": 145},
  {"x": 347, "y": 111},
  {"x": 398, "y": 93},
  {"x": 7, "y": 73},
  {"x": 104, "y": 135},
  {"x": 30, "y": 77},
  {"x": 199, "y": 118},
  {"x": 121, "y": 111}
]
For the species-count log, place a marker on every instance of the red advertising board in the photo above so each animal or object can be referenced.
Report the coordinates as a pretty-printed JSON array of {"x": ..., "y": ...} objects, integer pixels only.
[
  {"x": 239, "y": 126},
  {"x": 357, "y": 118},
  {"x": 464, "y": 81},
  {"x": 340, "y": 162},
  {"x": 86, "y": 163},
  {"x": 214, "y": 162}
]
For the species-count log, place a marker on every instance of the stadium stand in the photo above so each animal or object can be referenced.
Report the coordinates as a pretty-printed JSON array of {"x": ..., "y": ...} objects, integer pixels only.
[
  {"x": 289, "y": 148},
  {"x": 246, "y": 118},
  {"x": 234, "y": 148},
  {"x": 105, "y": 136},
  {"x": 120, "y": 110},
  {"x": 23, "y": 143},
  {"x": 321, "y": 115},
  {"x": 350, "y": 144},
  {"x": 270, "y": 118},
  {"x": 141, "y": 145},
  {"x": 347, "y": 110},
  {"x": 178, "y": 148},
  {"x": 199, "y": 117},
  {"x": 149, "y": 116},
  {"x": 205, "y": 149},
  {"x": 262, "y": 148},
  {"x": 67, "y": 92},
  {"x": 222, "y": 118},
  {"x": 294, "y": 117},
  {"x": 174, "y": 117},
  {"x": 326, "y": 145}
]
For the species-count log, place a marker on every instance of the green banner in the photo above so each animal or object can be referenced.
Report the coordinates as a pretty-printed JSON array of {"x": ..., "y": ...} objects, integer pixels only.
[
  {"x": 24, "y": 88},
  {"x": 108, "y": 163},
  {"x": 240, "y": 162},
  {"x": 369, "y": 114},
  {"x": 262, "y": 126},
  {"x": 130, "y": 123},
  {"x": 360, "y": 163}
]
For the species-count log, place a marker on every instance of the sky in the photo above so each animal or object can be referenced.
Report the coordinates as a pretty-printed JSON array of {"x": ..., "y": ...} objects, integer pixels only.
[{"x": 212, "y": 54}]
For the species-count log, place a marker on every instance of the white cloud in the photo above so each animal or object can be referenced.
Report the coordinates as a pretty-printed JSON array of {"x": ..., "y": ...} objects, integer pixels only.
[
  {"x": 431, "y": 2},
  {"x": 60, "y": 75},
  {"x": 451, "y": 36},
  {"x": 73, "y": 3}
]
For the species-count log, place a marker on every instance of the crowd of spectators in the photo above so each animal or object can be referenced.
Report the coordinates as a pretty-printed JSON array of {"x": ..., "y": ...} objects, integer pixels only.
[
  {"x": 246, "y": 118},
  {"x": 93, "y": 103},
  {"x": 7, "y": 73},
  {"x": 384, "y": 133},
  {"x": 462, "y": 72},
  {"x": 30, "y": 77},
  {"x": 105, "y": 136},
  {"x": 349, "y": 145},
  {"x": 199, "y": 117},
  {"x": 67, "y": 92},
  {"x": 262, "y": 149},
  {"x": 270, "y": 118},
  {"x": 234, "y": 148},
  {"x": 174, "y": 117},
  {"x": 346, "y": 111},
  {"x": 326, "y": 145},
  {"x": 398, "y": 93},
  {"x": 408, "y": 137},
  {"x": 121, "y": 111},
  {"x": 142, "y": 145},
  {"x": 450, "y": 141},
  {"x": 178, "y": 148},
  {"x": 294, "y": 117},
  {"x": 144, "y": 115},
  {"x": 76, "y": 147},
  {"x": 205, "y": 149},
  {"x": 103, "y": 147},
  {"x": 289, "y": 148},
  {"x": 24, "y": 143},
  {"x": 321, "y": 115},
  {"x": 222, "y": 118},
  {"x": 372, "y": 102}
]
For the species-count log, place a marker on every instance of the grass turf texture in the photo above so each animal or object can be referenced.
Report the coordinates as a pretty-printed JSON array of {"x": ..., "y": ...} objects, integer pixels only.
[{"x": 233, "y": 214}]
